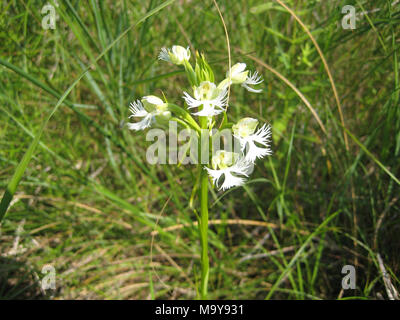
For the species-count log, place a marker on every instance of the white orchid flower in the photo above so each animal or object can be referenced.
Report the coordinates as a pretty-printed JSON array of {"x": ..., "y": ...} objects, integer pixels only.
[
  {"x": 231, "y": 166},
  {"x": 244, "y": 131},
  {"x": 210, "y": 97},
  {"x": 176, "y": 55},
  {"x": 239, "y": 75},
  {"x": 151, "y": 108}
]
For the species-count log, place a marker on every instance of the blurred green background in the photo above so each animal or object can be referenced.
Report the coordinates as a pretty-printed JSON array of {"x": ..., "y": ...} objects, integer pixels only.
[{"x": 88, "y": 200}]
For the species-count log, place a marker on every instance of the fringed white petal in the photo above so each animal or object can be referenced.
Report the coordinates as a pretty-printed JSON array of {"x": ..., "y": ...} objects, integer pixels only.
[
  {"x": 250, "y": 89},
  {"x": 251, "y": 150},
  {"x": 143, "y": 124},
  {"x": 263, "y": 135},
  {"x": 208, "y": 110},
  {"x": 231, "y": 180},
  {"x": 190, "y": 101},
  {"x": 252, "y": 79},
  {"x": 222, "y": 99},
  {"x": 210, "y": 107},
  {"x": 164, "y": 55},
  {"x": 242, "y": 167},
  {"x": 137, "y": 109},
  {"x": 234, "y": 176},
  {"x": 214, "y": 174},
  {"x": 253, "y": 153}
]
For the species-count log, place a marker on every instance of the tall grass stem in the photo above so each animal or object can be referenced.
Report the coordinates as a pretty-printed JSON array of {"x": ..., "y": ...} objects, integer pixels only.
[
  {"x": 203, "y": 223},
  {"x": 203, "y": 226}
]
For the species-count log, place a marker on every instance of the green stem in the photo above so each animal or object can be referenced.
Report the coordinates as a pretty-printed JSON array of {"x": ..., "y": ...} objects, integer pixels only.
[
  {"x": 203, "y": 228},
  {"x": 203, "y": 222}
]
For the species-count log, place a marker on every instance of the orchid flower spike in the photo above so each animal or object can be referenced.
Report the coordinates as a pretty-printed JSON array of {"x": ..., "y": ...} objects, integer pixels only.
[
  {"x": 239, "y": 75},
  {"x": 231, "y": 166},
  {"x": 244, "y": 131},
  {"x": 210, "y": 97},
  {"x": 151, "y": 109},
  {"x": 176, "y": 55}
]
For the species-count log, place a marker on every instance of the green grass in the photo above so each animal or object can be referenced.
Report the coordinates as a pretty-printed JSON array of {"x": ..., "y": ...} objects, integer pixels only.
[{"x": 87, "y": 201}]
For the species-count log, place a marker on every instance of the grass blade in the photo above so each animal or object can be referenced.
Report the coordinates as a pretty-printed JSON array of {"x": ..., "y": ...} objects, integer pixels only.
[{"x": 16, "y": 178}]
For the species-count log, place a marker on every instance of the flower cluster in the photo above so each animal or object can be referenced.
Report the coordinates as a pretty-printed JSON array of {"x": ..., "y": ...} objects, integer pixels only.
[{"x": 207, "y": 101}]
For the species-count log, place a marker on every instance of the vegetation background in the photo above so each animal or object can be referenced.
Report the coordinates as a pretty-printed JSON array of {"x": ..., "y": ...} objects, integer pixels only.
[{"x": 88, "y": 201}]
